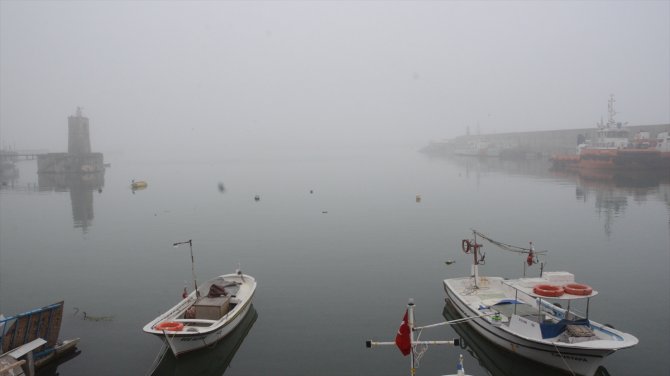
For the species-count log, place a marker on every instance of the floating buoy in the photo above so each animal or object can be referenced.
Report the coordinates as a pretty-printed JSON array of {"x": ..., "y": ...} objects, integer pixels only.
[
  {"x": 138, "y": 184},
  {"x": 257, "y": 198},
  {"x": 418, "y": 198}
]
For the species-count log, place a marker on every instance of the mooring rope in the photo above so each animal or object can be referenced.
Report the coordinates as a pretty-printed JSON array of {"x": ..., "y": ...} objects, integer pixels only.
[
  {"x": 563, "y": 359},
  {"x": 158, "y": 359},
  {"x": 419, "y": 350},
  {"x": 457, "y": 321}
]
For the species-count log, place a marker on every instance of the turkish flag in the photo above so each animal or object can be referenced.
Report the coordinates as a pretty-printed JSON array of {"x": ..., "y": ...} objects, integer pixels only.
[{"x": 402, "y": 339}]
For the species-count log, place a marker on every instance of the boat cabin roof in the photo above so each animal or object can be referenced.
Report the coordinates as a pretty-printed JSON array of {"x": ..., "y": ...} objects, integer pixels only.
[{"x": 526, "y": 286}]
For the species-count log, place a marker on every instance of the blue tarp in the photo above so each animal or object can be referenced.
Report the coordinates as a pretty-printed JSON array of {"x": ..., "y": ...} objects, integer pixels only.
[{"x": 550, "y": 330}]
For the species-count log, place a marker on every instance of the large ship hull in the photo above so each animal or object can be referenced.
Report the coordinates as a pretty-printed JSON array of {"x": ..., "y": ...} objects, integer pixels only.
[{"x": 615, "y": 159}]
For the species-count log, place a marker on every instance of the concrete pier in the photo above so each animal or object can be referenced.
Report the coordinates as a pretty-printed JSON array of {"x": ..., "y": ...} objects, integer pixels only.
[{"x": 540, "y": 143}]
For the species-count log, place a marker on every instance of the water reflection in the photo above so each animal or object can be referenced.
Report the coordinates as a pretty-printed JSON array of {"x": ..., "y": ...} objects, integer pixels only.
[
  {"x": 496, "y": 360},
  {"x": 209, "y": 361},
  {"x": 81, "y": 188},
  {"x": 610, "y": 191}
]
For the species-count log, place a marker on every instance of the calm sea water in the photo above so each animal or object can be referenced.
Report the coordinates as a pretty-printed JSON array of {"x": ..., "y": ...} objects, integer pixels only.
[{"x": 336, "y": 266}]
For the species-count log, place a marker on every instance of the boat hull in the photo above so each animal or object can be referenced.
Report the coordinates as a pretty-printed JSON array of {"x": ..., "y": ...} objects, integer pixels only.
[
  {"x": 182, "y": 344},
  {"x": 614, "y": 159},
  {"x": 578, "y": 360}
]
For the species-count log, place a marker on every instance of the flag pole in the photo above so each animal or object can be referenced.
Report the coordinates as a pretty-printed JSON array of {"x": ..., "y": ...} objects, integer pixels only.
[{"x": 410, "y": 323}]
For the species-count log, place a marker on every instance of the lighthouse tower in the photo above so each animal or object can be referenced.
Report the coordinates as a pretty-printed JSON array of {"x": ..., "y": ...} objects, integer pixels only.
[{"x": 79, "y": 141}]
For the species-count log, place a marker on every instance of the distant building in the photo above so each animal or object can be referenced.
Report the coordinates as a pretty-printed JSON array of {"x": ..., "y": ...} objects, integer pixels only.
[{"x": 78, "y": 158}]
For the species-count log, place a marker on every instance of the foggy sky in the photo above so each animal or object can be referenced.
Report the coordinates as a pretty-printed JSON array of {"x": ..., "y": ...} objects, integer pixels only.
[{"x": 251, "y": 76}]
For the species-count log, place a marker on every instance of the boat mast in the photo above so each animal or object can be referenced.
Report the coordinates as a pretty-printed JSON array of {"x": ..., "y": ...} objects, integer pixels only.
[
  {"x": 475, "y": 263},
  {"x": 195, "y": 283},
  {"x": 611, "y": 123}
]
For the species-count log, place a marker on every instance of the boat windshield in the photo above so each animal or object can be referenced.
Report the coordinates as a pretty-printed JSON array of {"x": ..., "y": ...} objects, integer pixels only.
[{"x": 521, "y": 309}]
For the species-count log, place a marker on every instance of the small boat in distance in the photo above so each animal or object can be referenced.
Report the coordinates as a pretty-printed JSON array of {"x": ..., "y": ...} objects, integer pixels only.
[
  {"x": 207, "y": 314},
  {"x": 522, "y": 315},
  {"x": 137, "y": 185}
]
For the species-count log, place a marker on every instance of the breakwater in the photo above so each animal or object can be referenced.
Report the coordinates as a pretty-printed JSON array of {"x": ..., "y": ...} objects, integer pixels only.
[{"x": 540, "y": 143}]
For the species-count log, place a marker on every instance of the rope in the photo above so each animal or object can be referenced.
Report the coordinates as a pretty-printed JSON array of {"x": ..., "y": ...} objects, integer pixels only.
[
  {"x": 507, "y": 247},
  {"x": 419, "y": 350},
  {"x": 563, "y": 359},
  {"x": 457, "y": 321},
  {"x": 158, "y": 359}
]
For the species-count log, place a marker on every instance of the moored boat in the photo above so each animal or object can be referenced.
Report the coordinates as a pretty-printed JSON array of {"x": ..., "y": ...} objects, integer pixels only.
[
  {"x": 521, "y": 315},
  {"x": 614, "y": 148},
  {"x": 206, "y": 315},
  {"x": 478, "y": 148},
  {"x": 38, "y": 330}
]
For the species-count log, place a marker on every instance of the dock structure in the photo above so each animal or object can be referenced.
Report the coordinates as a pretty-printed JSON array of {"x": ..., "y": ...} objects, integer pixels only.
[
  {"x": 79, "y": 158},
  {"x": 535, "y": 143}
]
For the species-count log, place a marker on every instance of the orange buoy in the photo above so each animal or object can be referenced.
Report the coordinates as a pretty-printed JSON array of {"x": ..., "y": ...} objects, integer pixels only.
[
  {"x": 577, "y": 289},
  {"x": 172, "y": 326},
  {"x": 548, "y": 290}
]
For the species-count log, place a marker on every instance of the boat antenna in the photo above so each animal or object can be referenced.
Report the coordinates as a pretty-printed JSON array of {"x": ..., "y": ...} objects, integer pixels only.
[{"x": 190, "y": 244}]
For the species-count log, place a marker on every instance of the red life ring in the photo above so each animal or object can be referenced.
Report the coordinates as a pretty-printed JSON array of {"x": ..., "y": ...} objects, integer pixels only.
[
  {"x": 548, "y": 290},
  {"x": 577, "y": 289},
  {"x": 172, "y": 326},
  {"x": 465, "y": 245}
]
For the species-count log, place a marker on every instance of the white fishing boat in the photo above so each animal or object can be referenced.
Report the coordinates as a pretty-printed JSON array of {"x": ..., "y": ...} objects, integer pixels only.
[
  {"x": 207, "y": 314},
  {"x": 525, "y": 315}
]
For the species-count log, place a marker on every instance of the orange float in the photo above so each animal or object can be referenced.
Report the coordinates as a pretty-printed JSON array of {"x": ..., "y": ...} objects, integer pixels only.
[
  {"x": 577, "y": 289},
  {"x": 549, "y": 290},
  {"x": 172, "y": 326}
]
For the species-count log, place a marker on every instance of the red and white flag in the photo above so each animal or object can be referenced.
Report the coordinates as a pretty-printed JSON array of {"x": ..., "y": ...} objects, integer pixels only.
[{"x": 402, "y": 338}]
